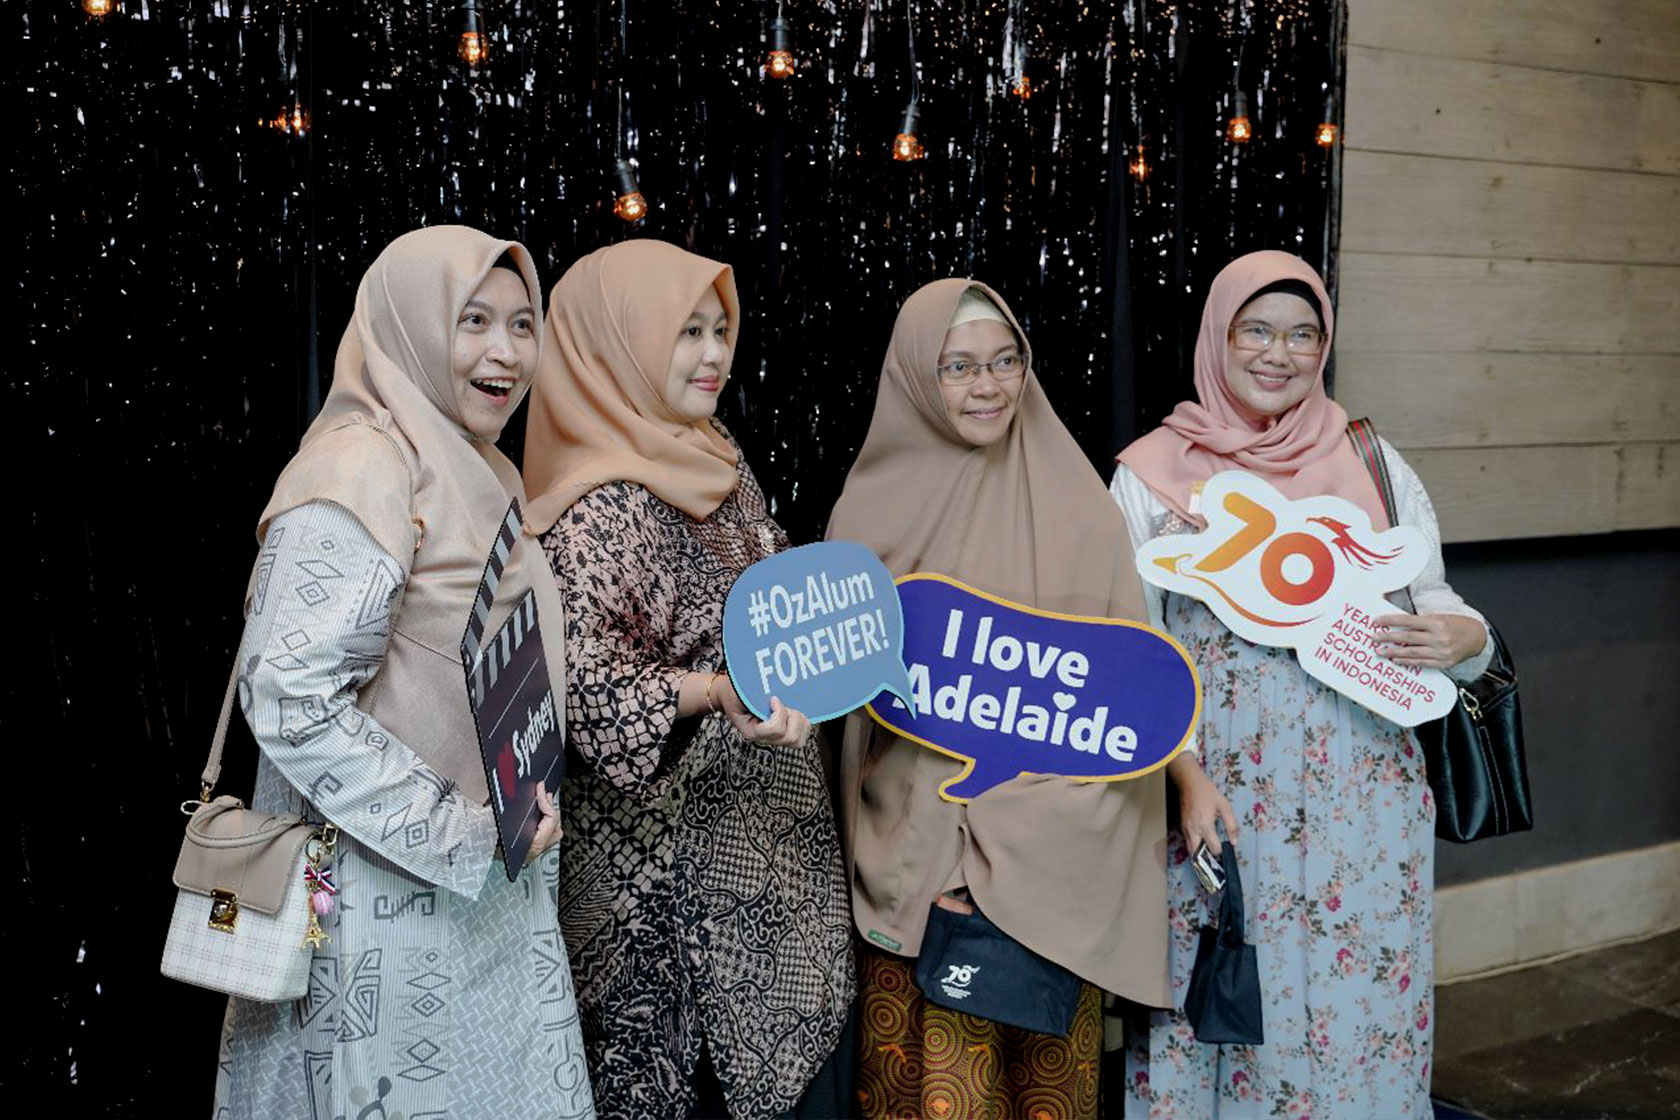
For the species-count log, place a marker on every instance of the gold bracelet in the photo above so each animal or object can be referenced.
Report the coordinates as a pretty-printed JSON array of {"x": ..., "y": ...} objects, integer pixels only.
[{"x": 711, "y": 704}]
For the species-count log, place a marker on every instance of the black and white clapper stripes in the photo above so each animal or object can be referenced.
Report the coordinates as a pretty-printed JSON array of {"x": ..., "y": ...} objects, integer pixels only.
[{"x": 484, "y": 664}]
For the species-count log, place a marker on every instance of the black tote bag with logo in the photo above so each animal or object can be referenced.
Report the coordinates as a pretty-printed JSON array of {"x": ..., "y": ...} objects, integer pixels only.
[{"x": 969, "y": 964}]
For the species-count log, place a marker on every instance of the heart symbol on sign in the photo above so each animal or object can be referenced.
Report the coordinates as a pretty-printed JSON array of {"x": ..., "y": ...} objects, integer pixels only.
[{"x": 1064, "y": 700}]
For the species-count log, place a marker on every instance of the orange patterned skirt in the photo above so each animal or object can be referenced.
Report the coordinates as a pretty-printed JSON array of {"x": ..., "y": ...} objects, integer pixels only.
[{"x": 922, "y": 1061}]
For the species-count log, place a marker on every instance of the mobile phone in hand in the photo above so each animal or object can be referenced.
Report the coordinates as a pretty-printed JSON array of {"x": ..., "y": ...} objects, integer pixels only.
[{"x": 1208, "y": 869}]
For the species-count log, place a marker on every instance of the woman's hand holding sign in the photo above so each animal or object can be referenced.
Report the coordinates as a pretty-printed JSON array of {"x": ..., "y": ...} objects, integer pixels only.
[
  {"x": 714, "y": 693},
  {"x": 1429, "y": 641},
  {"x": 548, "y": 825},
  {"x": 786, "y": 727}
]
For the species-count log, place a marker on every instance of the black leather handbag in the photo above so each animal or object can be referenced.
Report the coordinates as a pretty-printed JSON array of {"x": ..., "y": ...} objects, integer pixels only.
[
  {"x": 1473, "y": 755},
  {"x": 1222, "y": 1001}
]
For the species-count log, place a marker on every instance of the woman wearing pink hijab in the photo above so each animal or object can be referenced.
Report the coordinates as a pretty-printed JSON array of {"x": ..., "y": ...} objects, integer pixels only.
[{"x": 1324, "y": 801}]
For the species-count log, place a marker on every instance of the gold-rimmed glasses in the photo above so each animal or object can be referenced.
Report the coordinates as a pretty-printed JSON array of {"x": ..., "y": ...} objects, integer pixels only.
[{"x": 1305, "y": 342}]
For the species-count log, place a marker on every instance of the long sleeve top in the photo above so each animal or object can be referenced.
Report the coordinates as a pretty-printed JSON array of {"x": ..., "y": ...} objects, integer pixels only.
[{"x": 318, "y": 620}]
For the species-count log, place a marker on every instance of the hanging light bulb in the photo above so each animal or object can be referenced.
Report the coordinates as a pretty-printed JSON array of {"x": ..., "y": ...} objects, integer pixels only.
[
  {"x": 99, "y": 9},
  {"x": 779, "y": 62},
  {"x": 1138, "y": 167},
  {"x": 1327, "y": 133},
  {"x": 631, "y": 205},
  {"x": 1023, "y": 87},
  {"x": 291, "y": 120},
  {"x": 905, "y": 145},
  {"x": 1238, "y": 129},
  {"x": 472, "y": 46}
]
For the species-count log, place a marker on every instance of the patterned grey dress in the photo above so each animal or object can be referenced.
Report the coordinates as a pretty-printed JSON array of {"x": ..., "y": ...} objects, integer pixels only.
[
  {"x": 445, "y": 990},
  {"x": 703, "y": 898}
]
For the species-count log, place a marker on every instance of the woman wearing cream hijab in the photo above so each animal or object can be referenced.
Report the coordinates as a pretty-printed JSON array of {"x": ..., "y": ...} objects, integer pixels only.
[
  {"x": 967, "y": 472},
  {"x": 440, "y": 991},
  {"x": 703, "y": 899}
]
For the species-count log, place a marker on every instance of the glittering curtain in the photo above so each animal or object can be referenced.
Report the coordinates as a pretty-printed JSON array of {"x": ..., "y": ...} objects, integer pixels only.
[{"x": 197, "y": 185}]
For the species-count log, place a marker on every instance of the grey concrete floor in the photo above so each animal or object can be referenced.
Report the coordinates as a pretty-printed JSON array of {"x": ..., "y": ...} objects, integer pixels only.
[{"x": 1596, "y": 1035}]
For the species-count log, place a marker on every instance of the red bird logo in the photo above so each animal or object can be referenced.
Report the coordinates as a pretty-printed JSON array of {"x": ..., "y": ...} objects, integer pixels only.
[{"x": 1351, "y": 549}]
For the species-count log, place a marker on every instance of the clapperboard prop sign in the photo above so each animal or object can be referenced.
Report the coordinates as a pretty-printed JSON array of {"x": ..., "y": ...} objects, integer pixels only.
[{"x": 518, "y": 715}]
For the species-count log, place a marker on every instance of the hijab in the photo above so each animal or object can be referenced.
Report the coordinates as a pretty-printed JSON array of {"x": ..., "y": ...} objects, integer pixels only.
[
  {"x": 390, "y": 445},
  {"x": 1074, "y": 870},
  {"x": 925, "y": 500},
  {"x": 1303, "y": 452},
  {"x": 598, "y": 412}
]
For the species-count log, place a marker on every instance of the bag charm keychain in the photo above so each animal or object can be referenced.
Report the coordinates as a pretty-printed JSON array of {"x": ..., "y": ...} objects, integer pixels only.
[{"x": 317, "y": 872}]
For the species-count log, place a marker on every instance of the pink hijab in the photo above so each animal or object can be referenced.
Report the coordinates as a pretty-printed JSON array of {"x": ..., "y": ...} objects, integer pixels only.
[{"x": 1303, "y": 453}]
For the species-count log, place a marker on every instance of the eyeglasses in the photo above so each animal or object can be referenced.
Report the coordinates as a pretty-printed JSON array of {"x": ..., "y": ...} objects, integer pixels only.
[
  {"x": 964, "y": 372},
  {"x": 1255, "y": 337}
]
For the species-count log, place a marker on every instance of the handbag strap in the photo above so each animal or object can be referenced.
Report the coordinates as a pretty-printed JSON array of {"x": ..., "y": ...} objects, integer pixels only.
[
  {"x": 213, "y": 765},
  {"x": 1362, "y": 433},
  {"x": 1230, "y": 899}
]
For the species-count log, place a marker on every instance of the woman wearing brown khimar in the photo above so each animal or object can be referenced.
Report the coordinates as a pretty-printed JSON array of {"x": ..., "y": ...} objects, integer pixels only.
[
  {"x": 443, "y": 987},
  {"x": 702, "y": 899},
  {"x": 967, "y": 472}
]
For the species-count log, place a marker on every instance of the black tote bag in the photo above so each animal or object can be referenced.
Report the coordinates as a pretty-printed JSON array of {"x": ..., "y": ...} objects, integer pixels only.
[{"x": 1222, "y": 1002}]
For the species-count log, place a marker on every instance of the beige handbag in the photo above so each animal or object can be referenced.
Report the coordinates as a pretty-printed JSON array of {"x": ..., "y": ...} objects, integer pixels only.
[{"x": 245, "y": 919}]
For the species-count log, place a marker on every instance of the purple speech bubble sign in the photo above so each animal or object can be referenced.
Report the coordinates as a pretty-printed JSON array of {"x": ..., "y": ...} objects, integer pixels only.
[{"x": 1010, "y": 689}]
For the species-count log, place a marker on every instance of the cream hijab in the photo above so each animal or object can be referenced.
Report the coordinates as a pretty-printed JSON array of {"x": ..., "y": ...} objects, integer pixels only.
[
  {"x": 389, "y": 445},
  {"x": 1076, "y": 871},
  {"x": 598, "y": 412}
]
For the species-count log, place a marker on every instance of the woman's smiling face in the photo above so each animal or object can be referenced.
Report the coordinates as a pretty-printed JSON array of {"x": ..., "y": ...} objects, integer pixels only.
[
  {"x": 981, "y": 409},
  {"x": 495, "y": 352},
  {"x": 700, "y": 361},
  {"x": 1272, "y": 381}
]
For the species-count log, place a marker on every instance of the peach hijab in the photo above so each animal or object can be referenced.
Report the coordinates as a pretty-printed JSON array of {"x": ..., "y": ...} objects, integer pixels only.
[
  {"x": 598, "y": 410},
  {"x": 389, "y": 446},
  {"x": 1075, "y": 871},
  {"x": 1304, "y": 452}
]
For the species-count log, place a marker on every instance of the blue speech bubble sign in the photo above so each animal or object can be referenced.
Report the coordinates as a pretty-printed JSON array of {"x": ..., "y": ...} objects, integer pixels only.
[
  {"x": 1011, "y": 690},
  {"x": 819, "y": 627}
]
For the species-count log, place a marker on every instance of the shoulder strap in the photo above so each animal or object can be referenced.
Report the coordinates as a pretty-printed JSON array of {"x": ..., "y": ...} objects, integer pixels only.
[
  {"x": 213, "y": 765},
  {"x": 1363, "y": 434}
]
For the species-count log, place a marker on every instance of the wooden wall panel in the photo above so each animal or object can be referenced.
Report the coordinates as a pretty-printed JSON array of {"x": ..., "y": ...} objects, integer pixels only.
[
  {"x": 1454, "y": 305},
  {"x": 1648, "y": 486},
  {"x": 1482, "y": 208},
  {"x": 1399, "y": 102},
  {"x": 1626, "y": 38},
  {"x": 1509, "y": 303},
  {"x": 1503, "y": 492},
  {"x": 1505, "y": 400}
]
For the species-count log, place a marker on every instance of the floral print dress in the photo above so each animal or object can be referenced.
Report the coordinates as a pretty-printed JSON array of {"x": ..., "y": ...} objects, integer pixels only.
[{"x": 1336, "y": 849}]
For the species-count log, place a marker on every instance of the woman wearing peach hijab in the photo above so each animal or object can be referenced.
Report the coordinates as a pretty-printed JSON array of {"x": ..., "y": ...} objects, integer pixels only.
[
  {"x": 967, "y": 472},
  {"x": 703, "y": 901},
  {"x": 438, "y": 991},
  {"x": 1325, "y": 802}
]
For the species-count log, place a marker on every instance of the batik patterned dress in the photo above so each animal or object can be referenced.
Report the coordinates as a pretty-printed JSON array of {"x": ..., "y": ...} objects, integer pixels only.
[
  {"x": 1336, "y": 850},
  {"x": 702, "y": 893},
  {"x": 444, "y": 990}
]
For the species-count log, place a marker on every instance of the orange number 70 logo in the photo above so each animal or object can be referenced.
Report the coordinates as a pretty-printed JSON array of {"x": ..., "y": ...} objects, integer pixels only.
[{"x": 1267, "y": 563}]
